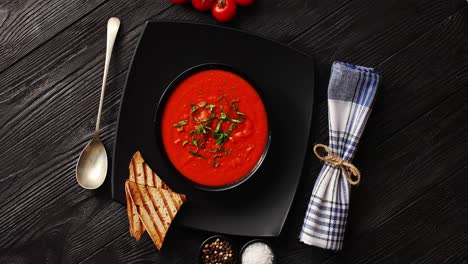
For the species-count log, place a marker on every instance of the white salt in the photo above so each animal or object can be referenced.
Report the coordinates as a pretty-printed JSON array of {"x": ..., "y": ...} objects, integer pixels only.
[{"x": 257, "y": 253}]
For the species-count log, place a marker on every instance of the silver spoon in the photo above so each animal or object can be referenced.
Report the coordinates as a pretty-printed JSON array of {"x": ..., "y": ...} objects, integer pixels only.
[{"x": 91, "y": 168}]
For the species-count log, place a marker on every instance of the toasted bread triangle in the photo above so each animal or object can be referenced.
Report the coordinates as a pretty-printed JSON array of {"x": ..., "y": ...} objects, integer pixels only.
[
  {"x": 141, "y": 203},
  {"x": 155, "y": 212},
  {"x": 151, "y": 204},
  {"x": 136, "y": 227}
]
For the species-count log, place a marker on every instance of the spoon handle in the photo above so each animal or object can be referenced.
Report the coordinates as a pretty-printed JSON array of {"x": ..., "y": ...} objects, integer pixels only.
[{"x": 113, "y": 25}]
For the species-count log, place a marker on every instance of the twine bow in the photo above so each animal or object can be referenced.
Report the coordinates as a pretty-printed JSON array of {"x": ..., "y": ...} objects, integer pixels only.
[{"x": 336, "y": 161}]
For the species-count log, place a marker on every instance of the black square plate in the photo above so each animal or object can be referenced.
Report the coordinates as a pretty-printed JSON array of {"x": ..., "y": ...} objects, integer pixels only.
[{"x": 285, "y": 80}]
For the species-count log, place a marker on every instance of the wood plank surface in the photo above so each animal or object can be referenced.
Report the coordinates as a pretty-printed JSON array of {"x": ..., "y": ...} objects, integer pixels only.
[
  {"x": 27, "y": 24},
  {"x": 410, "y": 207},
  {"x": 430, "y": 222}
]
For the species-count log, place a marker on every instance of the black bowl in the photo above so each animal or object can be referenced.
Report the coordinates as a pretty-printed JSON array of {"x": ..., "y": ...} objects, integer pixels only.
[{"x": 167, "y": 94}]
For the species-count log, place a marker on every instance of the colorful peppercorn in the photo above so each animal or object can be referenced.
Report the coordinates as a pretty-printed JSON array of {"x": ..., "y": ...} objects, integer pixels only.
[{"x": 217, "y": 251}]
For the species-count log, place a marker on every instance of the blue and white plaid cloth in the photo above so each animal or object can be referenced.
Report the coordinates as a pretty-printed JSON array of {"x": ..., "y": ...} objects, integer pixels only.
[{"x": 351, "y": 93}]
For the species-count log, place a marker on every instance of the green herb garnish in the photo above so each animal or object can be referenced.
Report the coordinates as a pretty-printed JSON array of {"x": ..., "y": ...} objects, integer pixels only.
[
  {"x": 236, "y": 109},
  {"x": 218, "y": 126},
  {"x": 203, "y": 127},
  {"x": 206, "y": 120},
  {"x": 210, "y": 106},
  {"x": 223, "y": 116},
  {"x": 230, "y": 129},
  {"x": 180, "y": 123},
  {"x": 194, "y": 108},
  {"x": 196, "y": 154},
  {"x": 222, "y": 137}
]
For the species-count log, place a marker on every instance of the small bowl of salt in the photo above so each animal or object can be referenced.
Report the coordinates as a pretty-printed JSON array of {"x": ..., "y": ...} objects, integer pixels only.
[{"x": 257, "y": 251}]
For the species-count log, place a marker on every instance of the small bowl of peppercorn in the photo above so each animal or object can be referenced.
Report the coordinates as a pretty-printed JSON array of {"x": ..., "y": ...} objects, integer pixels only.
[{"x": 217, "y": 250}]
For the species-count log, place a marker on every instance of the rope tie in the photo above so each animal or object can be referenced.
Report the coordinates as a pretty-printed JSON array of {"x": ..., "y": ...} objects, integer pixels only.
[{"x": 338, "y": 162}]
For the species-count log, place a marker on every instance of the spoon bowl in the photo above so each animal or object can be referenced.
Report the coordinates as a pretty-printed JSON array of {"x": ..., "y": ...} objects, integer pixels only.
[{"x": 91, "y": 168}]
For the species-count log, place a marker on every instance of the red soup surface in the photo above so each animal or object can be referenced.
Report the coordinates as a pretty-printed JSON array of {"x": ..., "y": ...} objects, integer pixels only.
[{"x": 214, "y": 127}]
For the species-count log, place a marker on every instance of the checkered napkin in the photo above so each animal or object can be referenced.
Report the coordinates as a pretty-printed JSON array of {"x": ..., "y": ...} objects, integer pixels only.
[{"x": 351, "y": 93}]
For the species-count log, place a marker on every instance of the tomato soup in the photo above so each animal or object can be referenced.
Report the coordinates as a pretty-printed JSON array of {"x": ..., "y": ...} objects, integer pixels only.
[{"x": 214, "y": 128}]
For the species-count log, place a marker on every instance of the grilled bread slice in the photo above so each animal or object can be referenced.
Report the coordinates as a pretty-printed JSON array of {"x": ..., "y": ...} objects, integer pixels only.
[
  {"x": 136, "y": 227},
  {"x": 162, "y": 204},
  {"x": 140, "y": 173},
  {"x": 156, "y": 208}
]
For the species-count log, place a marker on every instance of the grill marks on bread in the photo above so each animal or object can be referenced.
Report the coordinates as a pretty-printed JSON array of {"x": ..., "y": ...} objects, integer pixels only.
[{"x": 151, "y": 204}]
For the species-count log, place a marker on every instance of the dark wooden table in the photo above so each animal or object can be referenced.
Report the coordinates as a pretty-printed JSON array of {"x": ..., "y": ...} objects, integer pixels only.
[{"x": 412, "y": 205}]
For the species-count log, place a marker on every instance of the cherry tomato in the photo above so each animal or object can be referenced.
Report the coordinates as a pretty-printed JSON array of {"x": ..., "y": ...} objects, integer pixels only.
[
  {"x": 224, "y": 10},
  {"x": 202, "y": 5},
  {"x": 245, "y": 2},
  {"x": 180, "y": 2}
]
